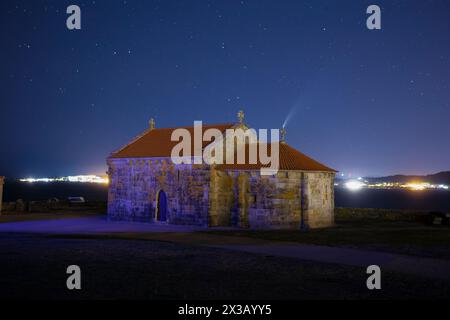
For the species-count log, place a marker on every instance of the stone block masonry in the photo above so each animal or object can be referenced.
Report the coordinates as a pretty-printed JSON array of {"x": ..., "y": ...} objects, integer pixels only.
[
  {"x": 146, "y": 185},
  {"x": 135, "y": 184},
  {"x": 288, "y": 200},
  {"x": 202, "y": 195}
]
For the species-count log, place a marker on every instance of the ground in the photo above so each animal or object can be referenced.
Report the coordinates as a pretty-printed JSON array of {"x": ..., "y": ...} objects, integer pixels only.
[
  {"x": 135, "y": 261},
  {"x": 388, "y": 236}
]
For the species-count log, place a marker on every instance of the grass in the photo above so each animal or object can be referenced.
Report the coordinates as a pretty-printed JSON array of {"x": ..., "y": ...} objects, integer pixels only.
[
  {"x": 34, "y": 267},
  {"x": 392, "y": 236},
  {"x": 388, "y": 236},
  {"x": 403, "y": 237}
]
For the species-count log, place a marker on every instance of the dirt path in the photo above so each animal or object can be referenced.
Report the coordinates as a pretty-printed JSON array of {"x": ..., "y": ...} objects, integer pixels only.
[
  {"x": 98, "y": 227},
  {"x": 425, "y": 267}
]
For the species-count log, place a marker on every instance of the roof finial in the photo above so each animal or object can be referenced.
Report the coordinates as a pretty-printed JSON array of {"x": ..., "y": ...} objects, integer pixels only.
[
  {"x": 241, "y": 117},
  {"x": 152, "y": 123},
  {"x": 283, "y": 135}
]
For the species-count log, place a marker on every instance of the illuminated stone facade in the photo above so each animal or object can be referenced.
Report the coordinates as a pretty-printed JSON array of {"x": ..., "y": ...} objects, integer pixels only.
[
  {"x": 135, "y": 183},
  {"x": 145, "y": 186},
  {"x": 201, "y": 195}
]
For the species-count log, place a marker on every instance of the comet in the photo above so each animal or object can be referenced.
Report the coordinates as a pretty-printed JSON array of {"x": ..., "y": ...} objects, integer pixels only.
[{"x": 289, "y": 116}]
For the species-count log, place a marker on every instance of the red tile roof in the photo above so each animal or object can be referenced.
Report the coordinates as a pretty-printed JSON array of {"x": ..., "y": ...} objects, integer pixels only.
[
  {"x": 157, "y": 143},
  {"x": 290, "y": 159}
]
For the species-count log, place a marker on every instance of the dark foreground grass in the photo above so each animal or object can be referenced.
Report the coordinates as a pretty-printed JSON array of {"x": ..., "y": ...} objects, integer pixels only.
[
  {"x": 403, "y": 237},
  {"x": 34, "y": 267},
  {"x": 393, "y": 236}
]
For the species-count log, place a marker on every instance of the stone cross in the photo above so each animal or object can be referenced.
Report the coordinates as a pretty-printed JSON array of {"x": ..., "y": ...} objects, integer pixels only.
[
  {"x": 241, "y": 116},
  {"x": 283, "y": 134},
  {"x": 152, "y": 124}
]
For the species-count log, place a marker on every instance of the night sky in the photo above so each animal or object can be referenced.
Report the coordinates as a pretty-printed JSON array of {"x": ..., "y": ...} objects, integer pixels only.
[{"x": 365, "y": 102}]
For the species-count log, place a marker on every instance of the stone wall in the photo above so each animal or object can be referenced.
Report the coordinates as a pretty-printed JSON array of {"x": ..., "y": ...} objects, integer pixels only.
[
  {"x": 247, "y": 199},
  {"x": 318, "y": 197},
  {"x": 45, "y": 206},
  {"x": 1, "y": 193},
  {"x": 221, "y": 199},
  {"x": 276, "y": 201},
  {"x": 135, "y": 183},
  {"x": 201, "y": 195},
  {"x": 349, "y": 214}
]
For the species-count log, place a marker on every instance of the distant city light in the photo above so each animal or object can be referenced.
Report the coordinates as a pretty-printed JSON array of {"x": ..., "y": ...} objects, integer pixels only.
[
  {"x": 354, "y": 185},
  {"x": 79, "y": 179},
  {"x": 417, "y": 186},
  {"x": 414, "y": 186},
  {"x": 424, "y": 185}
]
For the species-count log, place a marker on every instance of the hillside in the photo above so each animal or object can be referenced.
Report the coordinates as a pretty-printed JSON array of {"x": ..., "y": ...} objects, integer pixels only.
[{"x": 437, "y": 178}]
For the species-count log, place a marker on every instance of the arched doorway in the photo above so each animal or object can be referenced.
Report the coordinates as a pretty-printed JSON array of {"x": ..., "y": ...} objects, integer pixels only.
[{"x": 161, "y": 206}]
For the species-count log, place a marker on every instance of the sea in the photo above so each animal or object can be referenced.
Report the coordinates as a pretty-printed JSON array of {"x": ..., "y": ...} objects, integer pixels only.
[{"x": 426, "y": 200}]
